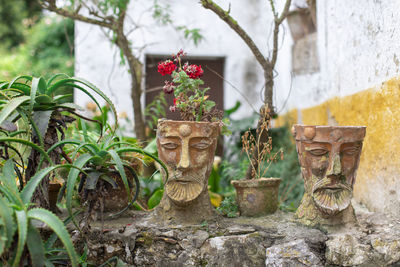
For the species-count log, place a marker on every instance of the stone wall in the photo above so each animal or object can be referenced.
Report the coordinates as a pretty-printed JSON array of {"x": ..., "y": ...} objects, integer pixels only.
[{"x": 273, "y": 240}]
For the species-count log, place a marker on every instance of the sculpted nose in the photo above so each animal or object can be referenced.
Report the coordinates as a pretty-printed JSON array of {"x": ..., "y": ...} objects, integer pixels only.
[
  {"x": 184, "y": 161},
  {"x": 335, "y": 167}
]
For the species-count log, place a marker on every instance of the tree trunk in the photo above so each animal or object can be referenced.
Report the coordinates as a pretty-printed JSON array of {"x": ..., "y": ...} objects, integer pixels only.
[
  {"x": 269, "y": 89},
  {"x": 41, "y": 194},
  {"x": 135, "y": 68}
]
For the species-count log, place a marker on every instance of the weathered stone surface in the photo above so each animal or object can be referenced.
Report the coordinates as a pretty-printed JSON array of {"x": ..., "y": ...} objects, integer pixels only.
[
  {"x": 346, "y": 250},
  {"x": 389, "y": 248},
  {"x": 294, "y": 253},
  {"x": 235, "y": 250},
  {"x": 305, "y": 55},
  {"x": 239, "y": 230},
  {"x": 273, "y": 240}
]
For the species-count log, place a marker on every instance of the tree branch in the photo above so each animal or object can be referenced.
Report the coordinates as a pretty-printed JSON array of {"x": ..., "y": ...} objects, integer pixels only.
[
  {"x": 51, "y": 6},
  {"x": 277, "y": 23},
  {"x": 224, "y": 15}
]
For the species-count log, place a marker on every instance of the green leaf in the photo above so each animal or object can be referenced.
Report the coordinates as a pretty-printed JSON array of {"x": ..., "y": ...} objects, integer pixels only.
[
  {"x": 35, "y": 246},
  {"x": 121, "y": 170},
  {"x": 41, "y": 120},
  {"x": 3, "y": 238},
  {"x": 8, "y": 222},
  {"x": 12, "y": 106},
  {"x": 22, "y": 222},
  {"x": 8, "y": 176},
  {"x": 27, "y": 192},
  {"x": 53, "y": 238},
  {"x": 33, "y": 91},
  {"x": 14, "y": 81},
  {"x": 72, "y": 177},
  {"x": 43, "y": 99},
  {"x": 55, "y": 77},
  {"x": 27, "y": 143},
  {"x": 58, "y": 227},
  {"x": 151, "y": 147},
  {"x": 109, "y": 180},
  {"x": 155, "y": 199},
  {"x": 91, "y": 180},
  {"x": 63, "y": 142},
  {"x": 72, "y": 82},
  {"x": 140, "y": 151},
  {"x": 72, "y": 106},
  {"x": 17, "y": 87},
  {"x": 57, "y": 98}
]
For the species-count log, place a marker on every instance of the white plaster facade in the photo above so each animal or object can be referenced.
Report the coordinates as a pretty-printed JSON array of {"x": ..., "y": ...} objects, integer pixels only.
[
  {"x": 97, "y": 60},
  {"x": 358, "y": 48},
  {"x": 355, "y": 41}
]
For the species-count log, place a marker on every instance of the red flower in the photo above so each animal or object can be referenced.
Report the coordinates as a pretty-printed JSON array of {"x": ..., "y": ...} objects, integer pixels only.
[
  {"x": 166, "y": 67},
  {"x": 175, "y": 99},
  {"x": 193, "y": 71}
]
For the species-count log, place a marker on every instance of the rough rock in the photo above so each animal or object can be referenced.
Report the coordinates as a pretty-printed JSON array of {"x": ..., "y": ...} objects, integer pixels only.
[
  {"x": 294, "y": 253},
  {"x": 237, "y": 250},
  {"x": 389, "y": 248},
  {"x": 346, "y": 250},
  {"x": 273, "y": 240}
]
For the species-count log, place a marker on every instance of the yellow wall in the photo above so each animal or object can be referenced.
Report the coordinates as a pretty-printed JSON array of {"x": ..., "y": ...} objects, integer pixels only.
[{"x": 378, "y": 178}]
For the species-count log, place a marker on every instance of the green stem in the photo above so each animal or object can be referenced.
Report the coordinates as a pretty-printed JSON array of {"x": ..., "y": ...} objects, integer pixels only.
[{"x": 200, "y": 114}]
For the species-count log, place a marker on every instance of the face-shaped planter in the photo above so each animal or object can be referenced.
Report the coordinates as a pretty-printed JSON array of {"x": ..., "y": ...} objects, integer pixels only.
[
  {"x": 187, "y": 148},
  {"x": 329, "y": 157}
]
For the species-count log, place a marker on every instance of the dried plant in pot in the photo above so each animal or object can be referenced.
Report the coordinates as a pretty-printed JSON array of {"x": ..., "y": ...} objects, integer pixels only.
[
  {"x": 259, "y": 195},
  {"x": 187, "y": 147}
]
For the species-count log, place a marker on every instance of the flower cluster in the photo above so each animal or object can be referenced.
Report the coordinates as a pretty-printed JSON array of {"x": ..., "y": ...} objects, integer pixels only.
[
  {"x": 189, "y": 97},
  {"x": 193, "y": 71},
  {"x": 166, "y": 67}
]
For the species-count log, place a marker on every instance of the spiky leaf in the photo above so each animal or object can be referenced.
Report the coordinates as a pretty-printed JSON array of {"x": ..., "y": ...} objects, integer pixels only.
[
  {"x": 35, "y": 246},
  {"x": 58, "y": 227}
]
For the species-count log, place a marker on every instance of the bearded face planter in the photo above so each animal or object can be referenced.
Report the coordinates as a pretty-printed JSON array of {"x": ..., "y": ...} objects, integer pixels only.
[
  {"x": 187, "y": 148},
  {"x": 329, "y": 158}
]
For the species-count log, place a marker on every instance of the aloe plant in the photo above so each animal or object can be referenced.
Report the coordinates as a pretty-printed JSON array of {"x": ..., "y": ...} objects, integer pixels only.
[
  {"x": 34, "y": 101},
  {"x": 97, "y": 158},
  {"x": 18, "y": 234}
]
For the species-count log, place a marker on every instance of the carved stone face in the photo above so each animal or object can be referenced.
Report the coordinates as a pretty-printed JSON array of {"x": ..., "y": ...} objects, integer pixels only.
[
  {"x": 329, "y": 157},
  {"x": 187, "y": 148}
]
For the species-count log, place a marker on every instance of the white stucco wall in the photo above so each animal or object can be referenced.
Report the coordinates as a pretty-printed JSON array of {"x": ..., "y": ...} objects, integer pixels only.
[
  {"x": 358, "y": 48},
  {"x": 98, "y": 61}
]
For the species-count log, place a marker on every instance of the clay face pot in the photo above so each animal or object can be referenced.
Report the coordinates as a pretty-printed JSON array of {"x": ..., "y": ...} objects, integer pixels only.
[
  {"x": 329, "y": 157},
  {"x": 187, "y": 148},
  {"x": 257, "y": 197}
]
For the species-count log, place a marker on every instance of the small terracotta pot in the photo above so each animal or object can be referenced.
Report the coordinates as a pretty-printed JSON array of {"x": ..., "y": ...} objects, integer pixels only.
[{"x": 257, "y": 197}]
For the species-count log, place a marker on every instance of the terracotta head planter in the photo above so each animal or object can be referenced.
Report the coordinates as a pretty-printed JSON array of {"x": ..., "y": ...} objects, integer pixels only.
[
  {"x": 329, "y": 157},
  {"x": 187, "y": 148}
]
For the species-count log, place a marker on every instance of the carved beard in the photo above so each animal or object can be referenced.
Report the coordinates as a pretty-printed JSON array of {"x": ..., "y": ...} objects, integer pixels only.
[
  {"x": 331, "y": 198},
  {"x": 182, "y": 190}
]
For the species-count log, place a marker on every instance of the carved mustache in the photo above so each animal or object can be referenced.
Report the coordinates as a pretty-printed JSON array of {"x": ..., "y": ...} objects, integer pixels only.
[
  {"x": 179, "y": 176},
  {"x": 326, "y": 183}
]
